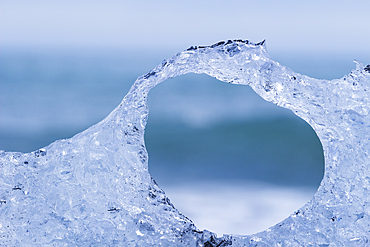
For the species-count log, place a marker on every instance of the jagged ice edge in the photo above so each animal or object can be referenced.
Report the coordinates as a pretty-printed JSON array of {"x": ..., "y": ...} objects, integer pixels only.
[{"x": 105, "y": 168}]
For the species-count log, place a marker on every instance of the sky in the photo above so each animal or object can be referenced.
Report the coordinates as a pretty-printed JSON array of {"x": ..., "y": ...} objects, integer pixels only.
[{"x": 288, "y": 26}]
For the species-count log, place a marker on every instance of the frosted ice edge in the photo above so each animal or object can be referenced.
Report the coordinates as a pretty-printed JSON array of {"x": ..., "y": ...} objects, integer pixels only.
[{"x": 95, "y": 189}]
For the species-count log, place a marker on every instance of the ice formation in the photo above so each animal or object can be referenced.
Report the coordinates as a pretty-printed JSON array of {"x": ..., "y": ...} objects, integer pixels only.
[{"x": 95, "y": 190}]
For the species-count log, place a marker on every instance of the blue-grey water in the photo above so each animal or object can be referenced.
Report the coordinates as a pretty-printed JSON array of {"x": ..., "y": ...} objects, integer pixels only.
[
  {"x": 200, "y": 130},
  {"x": 197, "y": 124}
]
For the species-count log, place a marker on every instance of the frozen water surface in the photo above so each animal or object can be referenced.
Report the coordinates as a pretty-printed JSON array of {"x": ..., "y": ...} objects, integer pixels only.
[{"x": 94, "y": 189}]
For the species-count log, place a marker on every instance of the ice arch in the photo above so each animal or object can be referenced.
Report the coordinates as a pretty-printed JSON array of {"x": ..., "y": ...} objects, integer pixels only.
[
  {"x": 95, "y": 189},
  {"x": 206, "y": 138}
]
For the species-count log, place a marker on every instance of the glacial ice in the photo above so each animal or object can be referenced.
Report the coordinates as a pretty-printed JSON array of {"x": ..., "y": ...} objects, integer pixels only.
[{"x": 94, "y": 189}]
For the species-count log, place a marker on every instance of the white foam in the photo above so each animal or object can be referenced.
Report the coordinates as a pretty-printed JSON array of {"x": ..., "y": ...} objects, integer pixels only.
[{"x": 243, "y": 208}]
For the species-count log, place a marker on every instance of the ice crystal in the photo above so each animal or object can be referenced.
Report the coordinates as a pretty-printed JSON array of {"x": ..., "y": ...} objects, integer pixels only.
[{"x": 94, "y": 189}]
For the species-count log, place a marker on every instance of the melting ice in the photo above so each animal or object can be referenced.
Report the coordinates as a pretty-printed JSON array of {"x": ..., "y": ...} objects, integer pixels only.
[{"x": 94, "y": 189}]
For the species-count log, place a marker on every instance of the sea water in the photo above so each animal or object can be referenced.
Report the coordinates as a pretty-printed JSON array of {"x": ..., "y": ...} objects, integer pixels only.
[{"x": 275, "y": 169}]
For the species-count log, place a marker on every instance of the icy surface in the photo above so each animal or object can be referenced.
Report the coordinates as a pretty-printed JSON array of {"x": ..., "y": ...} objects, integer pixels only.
[{"x": 95, "y": 190}]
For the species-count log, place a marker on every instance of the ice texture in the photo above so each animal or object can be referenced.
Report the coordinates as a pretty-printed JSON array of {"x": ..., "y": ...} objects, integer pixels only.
[{"x": 94, "y": 189}]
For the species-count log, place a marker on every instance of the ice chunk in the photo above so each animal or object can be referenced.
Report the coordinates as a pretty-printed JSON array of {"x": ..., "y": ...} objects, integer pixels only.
[{"x": 95, "y": 189}]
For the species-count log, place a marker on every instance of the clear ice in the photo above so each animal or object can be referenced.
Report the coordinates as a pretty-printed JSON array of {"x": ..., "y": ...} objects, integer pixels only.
[{"x": 94, "y": 189}]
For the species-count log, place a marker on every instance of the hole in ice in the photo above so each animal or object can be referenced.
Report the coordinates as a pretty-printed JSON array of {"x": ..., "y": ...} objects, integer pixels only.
[{"x": 227, "y": 159}]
